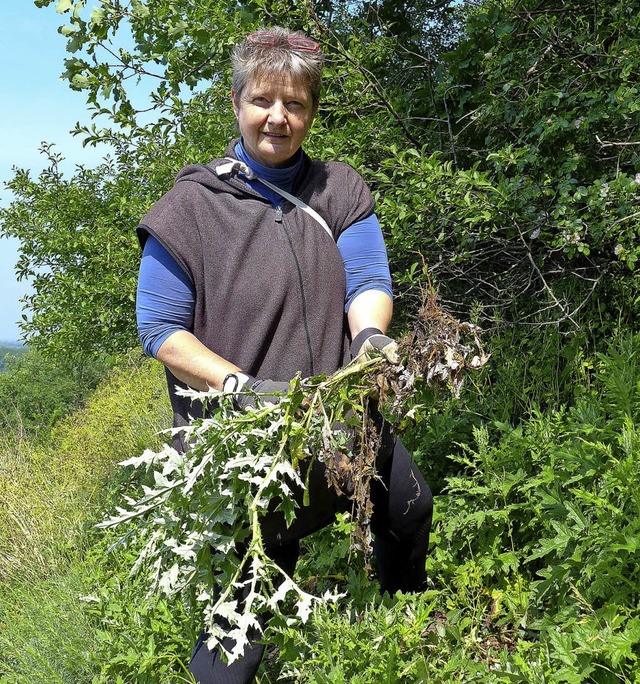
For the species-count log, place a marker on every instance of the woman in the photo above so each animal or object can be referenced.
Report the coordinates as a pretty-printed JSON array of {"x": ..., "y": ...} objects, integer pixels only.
[{"x": 242, "y": 288}]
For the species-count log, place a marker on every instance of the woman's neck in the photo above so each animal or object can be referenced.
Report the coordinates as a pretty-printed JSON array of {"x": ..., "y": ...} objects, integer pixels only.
[{"x": 282, "y": 177}]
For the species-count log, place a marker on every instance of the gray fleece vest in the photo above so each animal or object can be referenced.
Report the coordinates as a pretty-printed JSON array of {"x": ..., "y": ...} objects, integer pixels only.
[{"x": 269, "y": 283}]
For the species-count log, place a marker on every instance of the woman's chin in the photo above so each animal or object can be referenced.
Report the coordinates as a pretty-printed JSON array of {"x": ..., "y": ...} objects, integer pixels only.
[{"x": 275, "y": 155}]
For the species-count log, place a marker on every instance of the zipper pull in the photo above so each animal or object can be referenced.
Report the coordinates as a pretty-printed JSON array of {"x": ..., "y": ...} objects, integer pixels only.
[{"x": 278, "y": 214}]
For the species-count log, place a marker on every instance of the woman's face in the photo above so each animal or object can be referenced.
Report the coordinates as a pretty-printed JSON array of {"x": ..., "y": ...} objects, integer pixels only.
[{"x": 274, "y": 117}]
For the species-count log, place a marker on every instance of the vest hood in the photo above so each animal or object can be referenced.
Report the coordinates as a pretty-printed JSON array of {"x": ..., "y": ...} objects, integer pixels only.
[{"x": 205, "y": 175}]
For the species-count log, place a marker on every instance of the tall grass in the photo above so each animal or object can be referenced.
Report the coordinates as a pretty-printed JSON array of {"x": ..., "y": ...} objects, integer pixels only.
[
  {"x": 46, "y": 637},
  {"x": 48, "y": 491},
  {"x": 49, "y": 494}
]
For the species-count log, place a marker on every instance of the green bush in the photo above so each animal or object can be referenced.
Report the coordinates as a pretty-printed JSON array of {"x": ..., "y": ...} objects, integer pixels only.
[
  {"x": 10, "y": 351},
  {"x": 35, "y": 392},
  {"x": 553, "y": 503},
  {"x": 534, "y": 562}
]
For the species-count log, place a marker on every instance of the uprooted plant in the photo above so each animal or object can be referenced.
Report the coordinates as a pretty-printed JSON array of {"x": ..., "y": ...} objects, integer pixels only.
[{"x": 200, "y": 520}]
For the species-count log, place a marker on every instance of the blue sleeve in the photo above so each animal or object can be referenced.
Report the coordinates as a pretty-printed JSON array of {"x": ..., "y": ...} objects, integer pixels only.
[
  {"x": 364, "y": 255},
  {"x": 165, "y": 298}
]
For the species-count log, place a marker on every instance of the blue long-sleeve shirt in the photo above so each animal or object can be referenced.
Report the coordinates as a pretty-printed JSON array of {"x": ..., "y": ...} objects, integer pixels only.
[{"x": 166, "y": 298}]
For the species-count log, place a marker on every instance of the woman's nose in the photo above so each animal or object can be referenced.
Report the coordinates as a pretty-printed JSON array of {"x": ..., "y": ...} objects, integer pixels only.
[{"x": 277, "y": 113}]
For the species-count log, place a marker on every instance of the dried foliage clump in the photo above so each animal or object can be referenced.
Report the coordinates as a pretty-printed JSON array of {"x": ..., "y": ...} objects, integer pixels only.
[
  {"x": 440, "y": 348},
  {"x": 436, "y": 352},
  {"x": 349, "y": 472}
]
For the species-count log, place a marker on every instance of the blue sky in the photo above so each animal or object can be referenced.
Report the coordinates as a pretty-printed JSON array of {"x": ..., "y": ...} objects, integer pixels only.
[{"x": 35, "y": 106}]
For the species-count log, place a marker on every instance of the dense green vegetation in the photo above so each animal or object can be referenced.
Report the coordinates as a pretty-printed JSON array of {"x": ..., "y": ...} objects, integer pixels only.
[
  {"x": 36, "y": 392},
  {"x": 9, "y": 350},
  {"x": 501, "y": 140}
]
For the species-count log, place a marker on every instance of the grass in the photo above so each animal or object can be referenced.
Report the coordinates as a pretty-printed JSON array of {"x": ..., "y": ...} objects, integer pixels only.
[
  {"x": 46, "y": 638},
  {"x": 49, "y": 495},
  {"x": 49, "y": 491},
  {"x": 533, "y": 571}
]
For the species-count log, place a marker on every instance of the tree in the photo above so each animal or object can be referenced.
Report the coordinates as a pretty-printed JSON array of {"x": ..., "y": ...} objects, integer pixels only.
[
  {"x": 544, "y": 98},
  {"x": 500, "y": 140},
  {"x": 77, "y": 235}
]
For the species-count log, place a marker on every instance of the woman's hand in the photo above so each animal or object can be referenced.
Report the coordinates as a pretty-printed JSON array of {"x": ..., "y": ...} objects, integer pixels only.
[
  {"x": 254, "y": 391},
  {"x": 372, "y": 341}
]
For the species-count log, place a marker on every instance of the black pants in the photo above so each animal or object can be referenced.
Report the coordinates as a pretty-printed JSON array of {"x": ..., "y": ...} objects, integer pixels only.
[{"x": 401, "y": 522}]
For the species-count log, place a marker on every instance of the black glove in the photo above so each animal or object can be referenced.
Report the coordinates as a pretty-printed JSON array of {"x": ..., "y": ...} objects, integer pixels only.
[
  {"x": 371, "y": 341},
  {"x": 270, "y": 391}
]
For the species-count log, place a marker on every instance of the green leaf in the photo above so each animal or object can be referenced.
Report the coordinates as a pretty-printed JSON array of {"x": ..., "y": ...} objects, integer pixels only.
[
  {"x": 97, "y": 16},
  {"x": 68, "y": 30},
  {"x": 63, "y": 6}
]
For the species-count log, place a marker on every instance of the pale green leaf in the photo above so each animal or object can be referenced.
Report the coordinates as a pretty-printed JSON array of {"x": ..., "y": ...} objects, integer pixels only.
[{"x": 63, "y": 6}]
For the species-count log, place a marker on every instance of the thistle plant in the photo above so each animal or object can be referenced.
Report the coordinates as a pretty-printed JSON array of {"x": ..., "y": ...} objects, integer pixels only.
[{"x": 201, "y": 520}]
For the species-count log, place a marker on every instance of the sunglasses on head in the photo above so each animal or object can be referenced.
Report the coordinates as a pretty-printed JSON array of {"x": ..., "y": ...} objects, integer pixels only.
[{"x": 295, "y": 43}]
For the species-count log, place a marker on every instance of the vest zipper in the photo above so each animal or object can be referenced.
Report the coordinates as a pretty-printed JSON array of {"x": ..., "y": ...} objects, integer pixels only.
[
  {"x": 305, "y": 313},
  {"x": 278, "y": 214}
]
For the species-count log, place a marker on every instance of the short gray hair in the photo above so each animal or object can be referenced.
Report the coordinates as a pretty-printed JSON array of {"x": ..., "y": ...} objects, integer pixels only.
[{"x": 252, "y": 61}]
